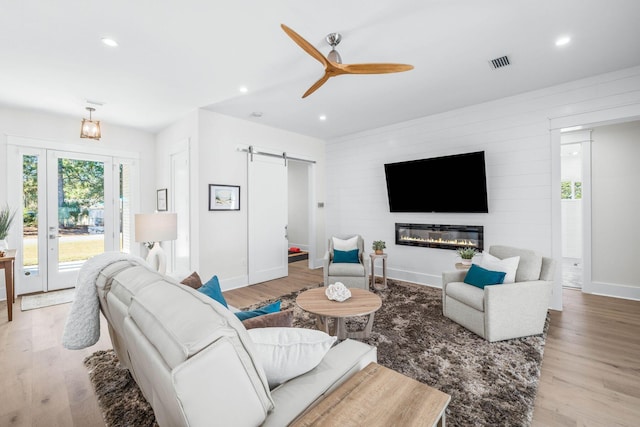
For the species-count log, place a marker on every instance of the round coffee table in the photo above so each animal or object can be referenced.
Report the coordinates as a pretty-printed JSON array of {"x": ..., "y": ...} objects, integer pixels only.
[{"x": 361, "y": 303}]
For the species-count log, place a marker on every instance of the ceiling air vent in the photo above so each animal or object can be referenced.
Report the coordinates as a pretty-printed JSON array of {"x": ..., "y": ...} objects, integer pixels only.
[{"x": 503, "y": 61}]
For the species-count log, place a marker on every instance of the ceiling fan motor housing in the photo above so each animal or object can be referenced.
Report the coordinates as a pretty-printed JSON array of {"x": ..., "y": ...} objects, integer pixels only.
[{"x": 334, "y": 39}]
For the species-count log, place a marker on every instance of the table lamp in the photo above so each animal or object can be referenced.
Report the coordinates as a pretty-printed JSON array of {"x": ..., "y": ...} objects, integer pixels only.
[{"x": 151, "y": 229}]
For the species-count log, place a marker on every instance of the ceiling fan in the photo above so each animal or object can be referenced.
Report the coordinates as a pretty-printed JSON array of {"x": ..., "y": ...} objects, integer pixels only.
[{"x": 333, "y": 65}]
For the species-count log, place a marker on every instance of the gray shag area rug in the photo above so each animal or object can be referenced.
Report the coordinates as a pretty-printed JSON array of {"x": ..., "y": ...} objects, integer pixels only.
[{"x": 491, "y": 384}]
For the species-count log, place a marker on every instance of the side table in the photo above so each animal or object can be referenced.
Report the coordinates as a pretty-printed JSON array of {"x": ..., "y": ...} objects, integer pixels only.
[
  {"x": 7, "y": 263},
  {"x": 461, "y": 266},
  {"x": 374, "y": 257}
]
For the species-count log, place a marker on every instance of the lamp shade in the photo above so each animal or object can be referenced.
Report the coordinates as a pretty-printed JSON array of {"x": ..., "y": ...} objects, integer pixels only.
[
  {"x": 156, "y": 227},
  {"x": 90, "y": 129}
]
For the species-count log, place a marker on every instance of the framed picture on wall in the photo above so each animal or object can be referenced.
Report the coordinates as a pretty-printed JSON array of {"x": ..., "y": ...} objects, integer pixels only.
[
  {"x": 224, "y": 197},
  {"x": 161, "y": 200}
]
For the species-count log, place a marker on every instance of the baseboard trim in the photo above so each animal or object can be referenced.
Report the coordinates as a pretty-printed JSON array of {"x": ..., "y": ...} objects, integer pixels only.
[
  {"x": 302, "y": 247},
  {"x": 613, "y": 290},
  {"x": 234, "y": 283},
  {"x": 432, "y": 280}
]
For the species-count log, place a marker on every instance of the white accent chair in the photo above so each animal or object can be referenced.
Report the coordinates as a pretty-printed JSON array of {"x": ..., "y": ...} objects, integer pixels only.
[
  {"x": 505, "y": 311},
  {"x": 352, "y": 275}
]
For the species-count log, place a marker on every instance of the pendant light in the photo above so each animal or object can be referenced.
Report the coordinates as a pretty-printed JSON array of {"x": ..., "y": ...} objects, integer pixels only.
[{"x": 90, "y": 128}]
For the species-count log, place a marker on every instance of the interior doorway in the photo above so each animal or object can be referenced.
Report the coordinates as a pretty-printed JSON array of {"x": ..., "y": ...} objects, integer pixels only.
[
  {"x": 300, "y": 230},
  {"x": 180, "y": 204},
  {"x": 572, "y": 155}
]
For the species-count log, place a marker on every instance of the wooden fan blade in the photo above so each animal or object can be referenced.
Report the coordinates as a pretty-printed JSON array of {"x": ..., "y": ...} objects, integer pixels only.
[
  {"x": 316, "y": 85},
  {"x": 305, "y": 45},
  {"x": 375, "y": 68}
]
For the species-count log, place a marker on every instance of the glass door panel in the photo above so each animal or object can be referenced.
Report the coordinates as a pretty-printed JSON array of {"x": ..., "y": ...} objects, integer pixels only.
[
  {"x": 33, "y": 251},
  {"x": 80, "y": 211},
  {"x": 80, "y": 216},
  {"x": 30, "y": 213},
  {"x": 125, "y": 211}
]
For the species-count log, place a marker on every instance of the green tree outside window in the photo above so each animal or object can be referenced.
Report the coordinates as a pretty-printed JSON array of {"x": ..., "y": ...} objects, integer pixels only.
[{"x": 571, "y": 190}]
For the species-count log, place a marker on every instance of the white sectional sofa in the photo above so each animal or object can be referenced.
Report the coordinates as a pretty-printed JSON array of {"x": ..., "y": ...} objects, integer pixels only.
[{"x": 194, "y": 360}]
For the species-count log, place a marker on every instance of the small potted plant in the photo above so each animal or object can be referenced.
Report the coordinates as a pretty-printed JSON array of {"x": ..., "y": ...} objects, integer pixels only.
[
  {"x": 378, "y": 246},
  {"x": 466, "y": 254},
  {"x": 6, "y": 218}
]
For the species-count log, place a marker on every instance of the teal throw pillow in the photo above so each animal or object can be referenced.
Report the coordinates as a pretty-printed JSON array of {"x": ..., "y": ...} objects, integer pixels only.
[
  {"x": 345, "y": 256},
  {"x": 274, "y": 307},
  {"x": 481, "y": 277},
  {"x": 212, "y": 289}
]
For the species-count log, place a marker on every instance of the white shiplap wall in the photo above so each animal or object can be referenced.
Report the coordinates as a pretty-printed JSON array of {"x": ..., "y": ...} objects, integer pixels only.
[{"x": 521, "y": 162}]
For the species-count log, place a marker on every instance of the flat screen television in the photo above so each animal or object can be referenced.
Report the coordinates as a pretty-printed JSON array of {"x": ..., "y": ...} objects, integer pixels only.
[{"x": 456, "y": 183}]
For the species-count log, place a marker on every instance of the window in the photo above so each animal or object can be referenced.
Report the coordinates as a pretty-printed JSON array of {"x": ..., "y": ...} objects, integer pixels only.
[{"x": 571, "y": 190}]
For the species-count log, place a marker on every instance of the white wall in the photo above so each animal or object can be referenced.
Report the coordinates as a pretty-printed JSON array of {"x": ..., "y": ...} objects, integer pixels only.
[
  {"x": 522, "y": 164},
  {"x": 572, "y": 228},
  {"x": 65, "y": 130},
  {"x": 219, "y": 239},
  {"x": 298, "y": 227},
  {"x": 615, "y": 195}
]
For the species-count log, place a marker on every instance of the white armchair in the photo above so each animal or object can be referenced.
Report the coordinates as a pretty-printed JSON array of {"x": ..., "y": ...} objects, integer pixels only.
[
  {"x": 505, "y": 311},
  {"x": 352, "y": 275}
]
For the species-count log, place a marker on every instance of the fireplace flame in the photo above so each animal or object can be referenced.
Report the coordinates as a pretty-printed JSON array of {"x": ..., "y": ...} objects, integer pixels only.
[{"x": 441, "y": 241}]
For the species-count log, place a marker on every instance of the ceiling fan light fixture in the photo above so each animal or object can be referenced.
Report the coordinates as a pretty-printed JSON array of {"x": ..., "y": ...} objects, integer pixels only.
[
  {"x": 90, "y": 128},
  {"x": 334, "y": 56}
]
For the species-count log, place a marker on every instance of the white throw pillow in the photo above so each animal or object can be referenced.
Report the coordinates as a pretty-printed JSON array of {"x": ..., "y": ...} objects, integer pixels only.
[
  {"x": 507, "y": 265},
  {"x": 286, "y": 353},
  {"x": 345, "y": 245}
]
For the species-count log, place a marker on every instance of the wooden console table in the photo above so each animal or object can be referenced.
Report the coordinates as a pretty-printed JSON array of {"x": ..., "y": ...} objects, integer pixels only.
[
  {"x": 7, "y": 263},
  {"x": 379, "y": 396}
]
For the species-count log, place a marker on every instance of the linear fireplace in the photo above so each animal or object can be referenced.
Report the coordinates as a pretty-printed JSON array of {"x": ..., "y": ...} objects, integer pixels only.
[{"x": 440, "y": 236}]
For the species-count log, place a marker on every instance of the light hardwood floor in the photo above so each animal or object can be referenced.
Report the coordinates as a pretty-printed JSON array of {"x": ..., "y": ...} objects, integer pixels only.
[{"x": 590, "y": 372}]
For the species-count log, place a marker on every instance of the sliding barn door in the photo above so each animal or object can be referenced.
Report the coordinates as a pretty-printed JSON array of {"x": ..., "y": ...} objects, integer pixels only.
[{"x": 267, "y": 212}]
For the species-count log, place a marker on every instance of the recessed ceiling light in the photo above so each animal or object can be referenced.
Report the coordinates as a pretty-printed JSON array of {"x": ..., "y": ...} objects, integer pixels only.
[
  {"x": 323, "y": 117},
  {"x": 109, "y": 42},
  {"x": 561, "y": 41},
  {"x": 243, "y": 89}
]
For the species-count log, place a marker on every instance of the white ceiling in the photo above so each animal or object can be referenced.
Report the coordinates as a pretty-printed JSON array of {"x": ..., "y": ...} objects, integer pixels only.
[{"x": 177, "y": 56}]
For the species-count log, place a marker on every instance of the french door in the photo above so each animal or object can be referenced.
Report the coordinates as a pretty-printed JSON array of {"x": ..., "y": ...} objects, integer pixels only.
[{"x": 70, "y": 214}]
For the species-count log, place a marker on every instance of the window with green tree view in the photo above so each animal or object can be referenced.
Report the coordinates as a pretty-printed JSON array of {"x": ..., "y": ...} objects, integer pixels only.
[{"x": 571, "y": 190}]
